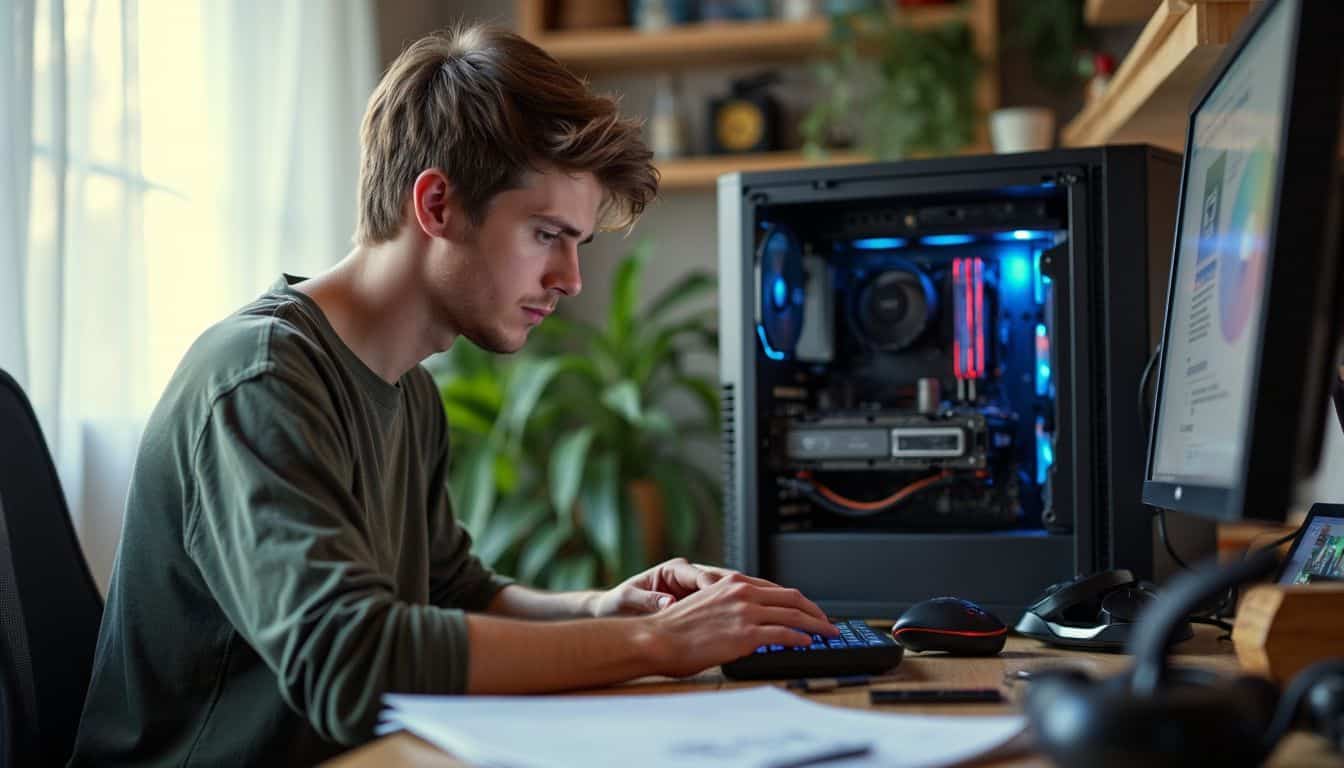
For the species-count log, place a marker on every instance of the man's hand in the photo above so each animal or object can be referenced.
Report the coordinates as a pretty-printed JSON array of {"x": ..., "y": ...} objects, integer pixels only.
[
  {"x": 712, "y": 616},
  {"x": 729, "y": 618},
  {"x": 659, "y": 587}
]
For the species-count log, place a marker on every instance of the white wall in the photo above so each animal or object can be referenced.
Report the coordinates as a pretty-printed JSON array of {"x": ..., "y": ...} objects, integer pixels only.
[{"x": 1328, "y": 482}]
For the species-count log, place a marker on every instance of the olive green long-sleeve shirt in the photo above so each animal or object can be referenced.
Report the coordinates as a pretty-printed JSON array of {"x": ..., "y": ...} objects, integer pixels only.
[{"x": 289, "y": 554}]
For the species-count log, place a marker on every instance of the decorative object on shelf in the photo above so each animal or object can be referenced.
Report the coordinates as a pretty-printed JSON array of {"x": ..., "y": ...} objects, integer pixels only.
[
  {"x": 590, "y": 14},
  {"x": 796, "y": 10},
  {"x": 569, "y": 469},
  {"x": 846, "y": 7},
  {"x": 734, "y": 10},
  {"x": 1102, "y": 67},
  {"x": 747, "y": 120},
  {"x": 1021, "y": 129},
  {"x": 667, "y": 124},
  {"x": 1053, "y": 33},
  {"x": 657, "y": 15},
  {"x": 919, "y": 99}
]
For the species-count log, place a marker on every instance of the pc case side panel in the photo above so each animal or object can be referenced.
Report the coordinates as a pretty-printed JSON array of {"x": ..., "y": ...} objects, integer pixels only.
[
  {"x": 1123, "y": 318},
  {"x": 737, "y": 377},
  {"x": 880, "y": 574},
  {"x": 1075, "y": 343}
]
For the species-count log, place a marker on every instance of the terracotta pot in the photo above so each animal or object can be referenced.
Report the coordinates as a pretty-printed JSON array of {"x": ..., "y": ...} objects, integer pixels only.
[{"x": 647, "y": 499}]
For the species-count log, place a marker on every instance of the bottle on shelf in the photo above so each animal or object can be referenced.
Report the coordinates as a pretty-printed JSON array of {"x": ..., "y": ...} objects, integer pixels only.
[{"x": 667, "y": 125}]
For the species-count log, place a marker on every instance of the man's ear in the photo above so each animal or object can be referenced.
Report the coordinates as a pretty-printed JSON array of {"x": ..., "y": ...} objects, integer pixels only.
[{"x": 434, "y": 204}]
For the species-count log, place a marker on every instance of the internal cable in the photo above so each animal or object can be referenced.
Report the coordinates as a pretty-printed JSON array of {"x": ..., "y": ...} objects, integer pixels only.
[{"x": 844, "y": 505}]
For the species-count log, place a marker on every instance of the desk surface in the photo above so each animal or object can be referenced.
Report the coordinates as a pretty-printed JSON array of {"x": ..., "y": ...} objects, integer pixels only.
[{"x": 1299, "y": 749}]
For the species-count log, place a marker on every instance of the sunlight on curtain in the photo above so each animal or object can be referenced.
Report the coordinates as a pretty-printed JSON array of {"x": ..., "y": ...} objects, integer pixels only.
[{"x": 184, "y": 154}]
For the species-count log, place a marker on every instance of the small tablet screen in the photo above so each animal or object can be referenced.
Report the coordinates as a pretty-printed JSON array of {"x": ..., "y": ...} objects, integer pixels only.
[{"x": 1318, "y": 554}]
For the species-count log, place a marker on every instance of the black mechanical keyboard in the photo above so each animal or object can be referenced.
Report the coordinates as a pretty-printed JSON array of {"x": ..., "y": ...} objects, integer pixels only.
[{"x": 859, "y": 650}]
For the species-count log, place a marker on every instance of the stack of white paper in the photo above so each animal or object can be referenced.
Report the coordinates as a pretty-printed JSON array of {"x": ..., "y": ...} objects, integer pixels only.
[{"x": 748, "y": 728}]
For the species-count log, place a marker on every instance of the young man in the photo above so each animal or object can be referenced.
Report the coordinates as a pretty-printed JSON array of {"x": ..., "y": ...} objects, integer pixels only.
[{"x": 289, "y": 553}]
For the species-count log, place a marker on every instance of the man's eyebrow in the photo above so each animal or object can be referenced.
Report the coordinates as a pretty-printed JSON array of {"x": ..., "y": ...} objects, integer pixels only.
[{"x": 564, "y": 227}]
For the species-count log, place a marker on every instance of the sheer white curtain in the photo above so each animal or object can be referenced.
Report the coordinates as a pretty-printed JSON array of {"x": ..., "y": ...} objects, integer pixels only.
[{"x": 163, "y": 162}]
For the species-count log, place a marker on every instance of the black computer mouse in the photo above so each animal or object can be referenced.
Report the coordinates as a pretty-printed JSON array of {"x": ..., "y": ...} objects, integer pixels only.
[{"x": 951, "y": 625}]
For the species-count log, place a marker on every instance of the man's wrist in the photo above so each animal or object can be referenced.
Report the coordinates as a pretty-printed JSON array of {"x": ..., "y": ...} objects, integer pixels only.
[
  {"x": 651, "y": 646},
  {"x": 589, "y": 604}
]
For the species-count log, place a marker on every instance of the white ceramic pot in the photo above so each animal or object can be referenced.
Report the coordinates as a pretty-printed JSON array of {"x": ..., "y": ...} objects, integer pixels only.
[{"x": 1022, "y": 129}]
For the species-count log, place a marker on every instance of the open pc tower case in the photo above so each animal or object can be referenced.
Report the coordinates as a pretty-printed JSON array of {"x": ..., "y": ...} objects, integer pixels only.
[{"x": 931, "y": 373}]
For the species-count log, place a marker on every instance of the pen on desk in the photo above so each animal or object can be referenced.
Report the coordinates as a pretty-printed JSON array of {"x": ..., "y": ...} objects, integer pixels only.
[{"x": 815, "y": 684}]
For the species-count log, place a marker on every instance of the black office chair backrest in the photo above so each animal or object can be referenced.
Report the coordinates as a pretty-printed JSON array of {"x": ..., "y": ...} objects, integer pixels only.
[{"x": 50, "y": 607}]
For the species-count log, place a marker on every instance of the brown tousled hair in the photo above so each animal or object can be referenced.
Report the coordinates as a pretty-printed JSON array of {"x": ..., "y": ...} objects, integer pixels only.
[{"x": 485, "y": 106}]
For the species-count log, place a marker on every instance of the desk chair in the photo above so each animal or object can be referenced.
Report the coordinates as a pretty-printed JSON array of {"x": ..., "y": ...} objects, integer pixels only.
[{"x": 50, "y": 607}]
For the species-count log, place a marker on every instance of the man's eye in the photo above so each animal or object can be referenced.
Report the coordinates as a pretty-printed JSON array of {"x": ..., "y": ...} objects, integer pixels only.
[{"x": 546, "y": 238}]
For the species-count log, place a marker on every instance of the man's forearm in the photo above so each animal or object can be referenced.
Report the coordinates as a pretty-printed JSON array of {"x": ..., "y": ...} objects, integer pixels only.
[
  {"x": 519, "y": 602},
  {"x": 509, "y": 656}
]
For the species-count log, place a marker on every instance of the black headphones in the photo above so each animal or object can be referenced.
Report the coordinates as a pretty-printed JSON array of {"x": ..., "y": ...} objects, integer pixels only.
[
  {"x": 1095, "y": 612},
  {"x": 1156, "y": 716}
]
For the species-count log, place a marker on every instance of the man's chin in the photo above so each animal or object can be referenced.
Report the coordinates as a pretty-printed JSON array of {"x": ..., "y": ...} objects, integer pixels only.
[{"x": 499, "y": 343}]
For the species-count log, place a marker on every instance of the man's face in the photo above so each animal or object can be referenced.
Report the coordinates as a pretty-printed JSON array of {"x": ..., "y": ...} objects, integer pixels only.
[{"x": 502, "y": 278}]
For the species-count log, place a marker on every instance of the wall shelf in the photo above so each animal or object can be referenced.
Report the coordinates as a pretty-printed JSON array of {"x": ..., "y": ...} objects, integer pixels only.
[
  {"x": 1114, "y": 13},
  {"x": 1149, "y": 96},
  {"x": 701, "y": 44}
]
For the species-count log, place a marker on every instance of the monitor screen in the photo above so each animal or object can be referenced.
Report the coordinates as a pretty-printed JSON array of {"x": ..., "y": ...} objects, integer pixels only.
[
  {"x": 1318, "y": 553},
  {"x": 1216, "y": 301}
]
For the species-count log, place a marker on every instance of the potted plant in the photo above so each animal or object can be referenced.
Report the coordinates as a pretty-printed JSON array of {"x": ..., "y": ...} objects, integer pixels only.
[
  {"x": 571, "y": 467},
  {"x": 915, "y": 96}
]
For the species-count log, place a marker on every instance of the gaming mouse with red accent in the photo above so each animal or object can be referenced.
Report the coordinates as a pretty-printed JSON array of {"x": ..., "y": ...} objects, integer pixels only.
[{"x": 951, "y": 625}]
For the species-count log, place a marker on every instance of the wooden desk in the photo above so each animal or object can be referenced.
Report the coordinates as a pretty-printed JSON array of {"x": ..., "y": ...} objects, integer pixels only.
[{"x": 1299, "y": 749}]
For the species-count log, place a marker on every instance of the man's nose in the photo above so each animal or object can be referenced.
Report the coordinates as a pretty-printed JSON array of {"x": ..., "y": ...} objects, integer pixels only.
[{"x": 563, "y": 272}]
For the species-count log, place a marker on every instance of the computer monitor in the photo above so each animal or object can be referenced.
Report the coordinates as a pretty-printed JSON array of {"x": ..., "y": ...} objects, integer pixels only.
[{"x": 1251, "y": 321}]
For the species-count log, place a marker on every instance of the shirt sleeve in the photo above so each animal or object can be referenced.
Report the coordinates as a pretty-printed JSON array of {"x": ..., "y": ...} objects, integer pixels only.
[{"x": 282, "y": 545}]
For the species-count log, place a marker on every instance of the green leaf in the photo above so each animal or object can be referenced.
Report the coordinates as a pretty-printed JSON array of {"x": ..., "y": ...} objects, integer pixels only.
[
  {"x": 688, "y": 287},
  {"x": 567, "y": 462},
  {"x": 583, "y": 367},
  {"x": 540, "y": 549},
  {"x": 506, "y": 473},
  {"x": 623, "y": 398},
  {"x": 526, "y": 384},
  {"x": 573, "y": 572},
  {"x": 565, "y": 332},
  {"x": 467, "y": 419},
  {"x": 657, "y": 423},
  {"x": 511, "y": 521},
  {"x": 706, "y": 394},
  {"x": 471, "y": 403},
  {"x": 625, "y": 293},
  {"x": 478, "y": 486},
  {"x": 679, "y": 508},
  {"x": 601, "y": 500}
]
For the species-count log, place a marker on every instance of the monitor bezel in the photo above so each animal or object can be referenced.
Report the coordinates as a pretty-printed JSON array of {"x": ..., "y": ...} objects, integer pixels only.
[{"x": 1285, "y": 410}]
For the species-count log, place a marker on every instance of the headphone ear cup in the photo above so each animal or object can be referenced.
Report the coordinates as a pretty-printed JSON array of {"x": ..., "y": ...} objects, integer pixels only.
[
  {"x": 1325, "y": 702},
  {"x": 1191, "y": 720},
  {"x": 1261, "y": 697}
]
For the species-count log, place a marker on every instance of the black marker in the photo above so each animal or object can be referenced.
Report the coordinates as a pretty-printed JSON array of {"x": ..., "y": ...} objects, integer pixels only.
[{"x": 934, "y": 696}]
